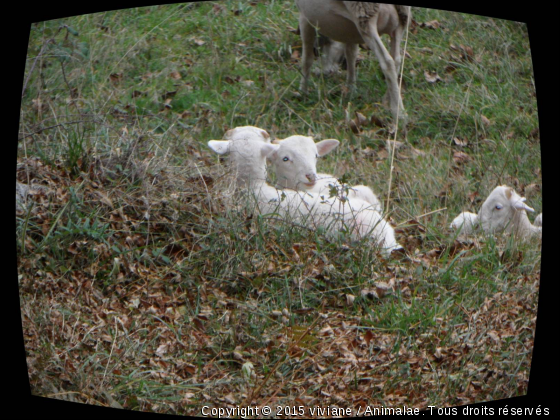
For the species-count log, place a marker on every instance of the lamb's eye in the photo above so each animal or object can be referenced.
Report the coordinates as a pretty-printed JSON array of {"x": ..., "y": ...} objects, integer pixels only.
[
  {"x": 286, "y": 159},
  {"x": 499, "y": 207}
]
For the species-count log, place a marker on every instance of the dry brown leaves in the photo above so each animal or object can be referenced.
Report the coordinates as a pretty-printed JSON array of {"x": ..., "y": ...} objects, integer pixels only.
[{"x": 96, "y": 322}]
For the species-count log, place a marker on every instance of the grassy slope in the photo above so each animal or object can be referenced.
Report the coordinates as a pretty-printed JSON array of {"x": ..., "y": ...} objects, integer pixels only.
[{"x": 136, "y": 279}]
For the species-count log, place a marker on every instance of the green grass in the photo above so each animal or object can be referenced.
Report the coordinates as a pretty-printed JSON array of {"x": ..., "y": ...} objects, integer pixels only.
[{"x": 145, "y": 285}]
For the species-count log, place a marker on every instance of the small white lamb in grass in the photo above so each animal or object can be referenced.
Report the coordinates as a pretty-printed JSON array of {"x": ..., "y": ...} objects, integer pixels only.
[
  {"x": 294, "y": 161},
  {"x": 354, "y": 23},
  {"x": 503, "y": 211},
  {"x": 248, "y": 149}
]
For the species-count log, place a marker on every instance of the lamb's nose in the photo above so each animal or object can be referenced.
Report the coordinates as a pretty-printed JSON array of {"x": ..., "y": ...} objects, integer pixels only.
[{"x": 311, "y": 177}]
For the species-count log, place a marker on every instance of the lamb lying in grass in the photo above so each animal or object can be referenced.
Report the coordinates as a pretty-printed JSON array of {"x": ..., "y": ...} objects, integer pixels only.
[
  {"x": 293, "y": 160},
  {"x": 248, "y": 148},
  {"x": 503, "y": 211}
]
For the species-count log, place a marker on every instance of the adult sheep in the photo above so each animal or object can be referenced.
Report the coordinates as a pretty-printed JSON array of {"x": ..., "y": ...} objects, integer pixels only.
[{"x": 353, "y": 23}]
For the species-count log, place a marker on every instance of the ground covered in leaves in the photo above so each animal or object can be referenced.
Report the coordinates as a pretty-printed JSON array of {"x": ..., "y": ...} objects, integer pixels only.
[
  {"x": 101, "y": 306},
  {"x": 146, "y": 284}
]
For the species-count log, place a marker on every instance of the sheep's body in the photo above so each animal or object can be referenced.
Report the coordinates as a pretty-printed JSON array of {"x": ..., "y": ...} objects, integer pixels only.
[
  {"x": 293, "y": 158},
  {"x": 503, "y": 211},
  {"x": 466, "y": 223},
  {"x": 326, "y": 184},
  {"x": 538, "y": 221},
  {"x": 353, "y": 23},
  {"x": 248, "y": 149}
]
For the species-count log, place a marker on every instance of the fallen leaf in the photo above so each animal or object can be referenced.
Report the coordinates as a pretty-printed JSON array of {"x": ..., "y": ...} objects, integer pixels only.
[
  {"x": 472, "y": 196},
  {"x": 326, "y": 331},
  {"x": 360, "y": 119},
  {"x": 115, "y": 77},
  {"x": 460, "y": 142},
  {"x": 229, "y": 398},
  {"x": 494, "y": 336},
  {"x": 450, "y": 68},
  {"x": 432, "y": 24},
  {"x": 378, "y": 121},
  {"x": 369, "y": 293},
  {"x": 432, "y": 77},
  {"x": 161, "y": 350},
  {"x": 460, "y": 157},
  {"x": 354, "y": 127}
]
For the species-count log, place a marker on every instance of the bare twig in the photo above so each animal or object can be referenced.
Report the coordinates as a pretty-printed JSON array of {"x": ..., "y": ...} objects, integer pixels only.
[
  {"x": 397, "y": 121},
  {"x": 33, "y": 65}
]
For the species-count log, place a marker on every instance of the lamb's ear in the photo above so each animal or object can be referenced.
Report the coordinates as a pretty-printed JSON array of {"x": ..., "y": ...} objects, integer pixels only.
[
  {"x": 516, "y": 201},
  {"x": 219, "y": 146},
  {"x": 326, "y": 146},
  {"x": 267, "y": 149},
  {"x": 277, "y": 141},
  {"x": 520, "y": 205},
  {"x": 265, "y": 135}
]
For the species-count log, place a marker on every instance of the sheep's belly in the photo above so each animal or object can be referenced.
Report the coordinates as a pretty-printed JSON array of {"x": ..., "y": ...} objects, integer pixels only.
[{"x": 332, "y": 20}]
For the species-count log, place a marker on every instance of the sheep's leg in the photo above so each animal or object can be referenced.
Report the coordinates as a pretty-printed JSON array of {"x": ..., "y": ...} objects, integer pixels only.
[
  {"x": 351, "y": 55},
  {"x": 388, "y": 66},
  {"x": 396, "y": 39},
  {"x": 307, "y": 32}
]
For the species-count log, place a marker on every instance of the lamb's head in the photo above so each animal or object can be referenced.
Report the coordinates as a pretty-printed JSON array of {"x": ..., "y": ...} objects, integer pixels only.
[
  {"x": 247, "y": 132},
  {"x": 295, "y": 161},
  {"x": 248, "y": 148},
  {"x": 503, "y": 209}
]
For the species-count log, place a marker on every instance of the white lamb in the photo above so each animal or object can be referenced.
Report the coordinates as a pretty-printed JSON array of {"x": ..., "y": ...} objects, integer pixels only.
[
  {"x": 297, "y": 156},
  {"x": 503, "y": 211},
  {"x": 248, "y": 149}
]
